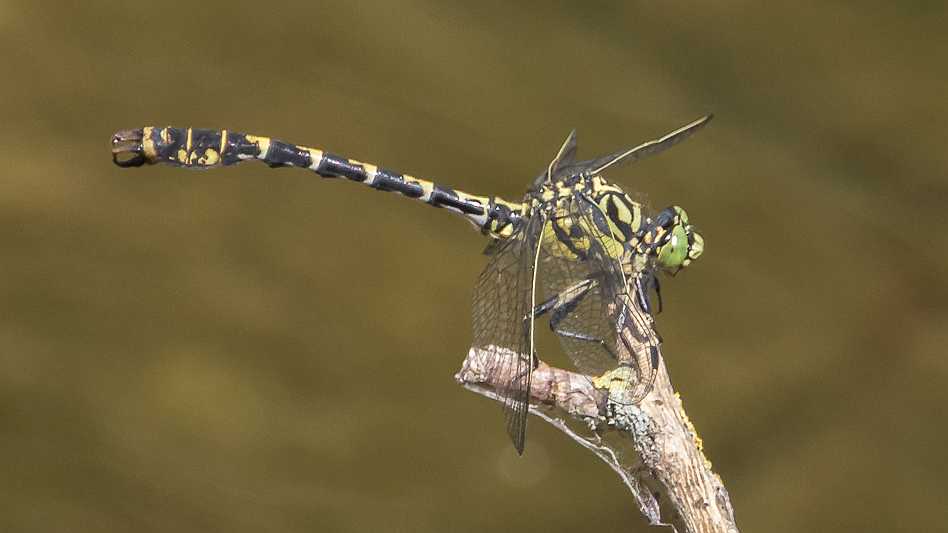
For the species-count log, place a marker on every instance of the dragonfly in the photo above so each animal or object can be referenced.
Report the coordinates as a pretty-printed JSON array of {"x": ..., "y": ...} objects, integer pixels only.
[{"x": 576, "y": 249}]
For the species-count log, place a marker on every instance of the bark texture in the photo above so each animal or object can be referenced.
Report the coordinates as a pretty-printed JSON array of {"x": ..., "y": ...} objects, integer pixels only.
[{"x": 652, "y": 445}]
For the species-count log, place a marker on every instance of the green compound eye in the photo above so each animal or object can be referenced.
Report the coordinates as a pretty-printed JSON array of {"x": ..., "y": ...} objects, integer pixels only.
[
  {"x": 683, "y": 245},
  {"x": 673, "y": 254}
]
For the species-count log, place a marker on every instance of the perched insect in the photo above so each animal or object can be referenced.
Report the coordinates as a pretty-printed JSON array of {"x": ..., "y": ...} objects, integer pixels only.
[{"x": 576, "y": 248}]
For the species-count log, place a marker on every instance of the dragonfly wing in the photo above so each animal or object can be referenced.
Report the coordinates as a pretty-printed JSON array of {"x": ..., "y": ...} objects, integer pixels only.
[
  {"x": 646, "y": 149},
  {"x": 636, "y": 329},
  {"x": 603, "y": 317},
  {"x": 564, "y": 157},
  {"x": 503, "y": 322}
]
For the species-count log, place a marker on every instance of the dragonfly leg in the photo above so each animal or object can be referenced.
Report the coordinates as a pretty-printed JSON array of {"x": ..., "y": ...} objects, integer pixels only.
[
  {"x": 543, "y": 308},
  {"x": 641, "y": 294},
  {"x": 563, "y": 310},
  {"x": 579, "y": 336},
  {"x": 642, "y": 287},
  {"x": 563, "y": 302},
  {"x": 561, "y": 305},
  {"x": 658, "y": 291}
]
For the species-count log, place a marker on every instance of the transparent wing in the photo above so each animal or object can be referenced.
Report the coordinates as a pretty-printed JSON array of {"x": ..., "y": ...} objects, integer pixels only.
[
  {"x": 564, "y": 157},
  {"x": 601, "y": 313},
  {"x": 648, "y": 148},
  {"x": 635, "y": 327},
  {"x": 503, "y": 322}
]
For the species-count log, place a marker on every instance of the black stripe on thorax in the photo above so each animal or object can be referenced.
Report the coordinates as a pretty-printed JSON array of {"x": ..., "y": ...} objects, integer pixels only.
[
  {"x": 595, "y": 215},
  {"x": 567, "y": 238},
  {"x": 612, "y": 211}
]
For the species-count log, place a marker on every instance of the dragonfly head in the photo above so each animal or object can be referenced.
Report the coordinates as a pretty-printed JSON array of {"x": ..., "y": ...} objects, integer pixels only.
[{"x": 676, "y": 242}]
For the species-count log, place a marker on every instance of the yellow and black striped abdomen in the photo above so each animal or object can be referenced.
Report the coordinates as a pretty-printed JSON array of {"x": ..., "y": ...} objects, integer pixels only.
[{"x": 203, "y": 148}]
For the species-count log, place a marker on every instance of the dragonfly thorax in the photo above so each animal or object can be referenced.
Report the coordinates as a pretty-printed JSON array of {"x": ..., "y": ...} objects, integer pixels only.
[{"x": 616, "y": 222}]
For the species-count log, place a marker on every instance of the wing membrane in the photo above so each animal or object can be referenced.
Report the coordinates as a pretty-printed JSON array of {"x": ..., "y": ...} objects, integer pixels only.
[
  {"x": 600, "y": 319},
  {"x": 649, "y": 148},
  {"x": 502, "y": 320}
]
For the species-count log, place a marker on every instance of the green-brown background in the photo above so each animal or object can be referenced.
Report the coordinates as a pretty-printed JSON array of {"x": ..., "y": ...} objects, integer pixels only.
[{"x": 255, "y": 350}]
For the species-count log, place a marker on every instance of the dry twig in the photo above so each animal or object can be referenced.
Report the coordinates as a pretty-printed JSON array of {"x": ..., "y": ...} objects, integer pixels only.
[{"x": 652, "y": 446}]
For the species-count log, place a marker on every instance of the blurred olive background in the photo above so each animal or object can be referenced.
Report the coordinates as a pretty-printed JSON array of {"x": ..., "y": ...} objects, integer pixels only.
[{"x": 250, "y": 350}]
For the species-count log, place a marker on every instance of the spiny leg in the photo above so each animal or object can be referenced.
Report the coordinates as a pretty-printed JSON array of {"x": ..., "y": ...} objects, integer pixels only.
[
  {"x": 561, "y": 303},
  {"x": 564, "y": 303},
  {"x": 658, "y": 291},
  {"x": 642, "y": 289}
]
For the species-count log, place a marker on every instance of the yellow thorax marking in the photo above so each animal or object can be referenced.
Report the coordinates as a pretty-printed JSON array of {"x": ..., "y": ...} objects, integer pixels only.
[{"x": 600, "y": 196}]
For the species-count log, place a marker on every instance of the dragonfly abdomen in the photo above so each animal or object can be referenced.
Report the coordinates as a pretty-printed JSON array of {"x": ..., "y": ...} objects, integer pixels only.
[{"x": 204, "y": 148}]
